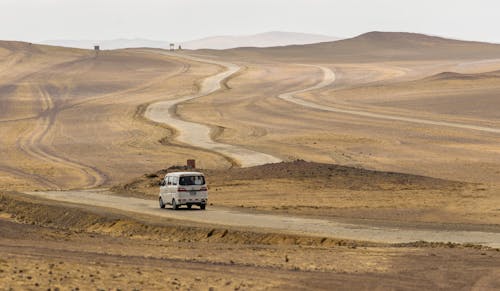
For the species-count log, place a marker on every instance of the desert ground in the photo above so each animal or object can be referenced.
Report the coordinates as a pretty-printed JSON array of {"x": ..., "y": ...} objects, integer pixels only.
[{"x": 365, "y": 163}]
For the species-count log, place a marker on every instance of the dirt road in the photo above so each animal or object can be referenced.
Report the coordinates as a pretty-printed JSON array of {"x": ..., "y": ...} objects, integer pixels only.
[
  {"x": 198, "y": 135},
  {"x": 306, "y": 226},
  {"x": 329, "y": 78}
]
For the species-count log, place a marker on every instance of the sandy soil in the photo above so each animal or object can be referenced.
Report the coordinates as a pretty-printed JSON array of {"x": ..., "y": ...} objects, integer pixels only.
[
  {"x": 61, "y": 246},
  {"x": 377, "y": 135},
  {"x": 337, "y": 192},
  {"x": 329, "y": 78},
  {"x": 199, "y": 135},
  {"x": 311, "y": 227},
  {"x": 70, "y": 119}
]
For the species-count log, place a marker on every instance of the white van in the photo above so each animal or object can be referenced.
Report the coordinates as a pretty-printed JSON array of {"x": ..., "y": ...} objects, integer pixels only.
[{"x": 183, "y": 188}]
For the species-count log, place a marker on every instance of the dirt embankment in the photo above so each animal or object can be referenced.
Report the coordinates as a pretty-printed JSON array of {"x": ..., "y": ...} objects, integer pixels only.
[
  {"x": 340, "y": 192},
  {"x": 82, "y": 219},
  {"x": 48, "y": 245},
  {"x": 329, "y": 175}
]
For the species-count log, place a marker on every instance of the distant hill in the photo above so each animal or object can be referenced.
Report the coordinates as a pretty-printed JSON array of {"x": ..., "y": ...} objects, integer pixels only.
[
  {"x": 458, "y": 76},
  {"x": 267, "y": 39},
  {"x": 109, "y": 44},
  {"x": 375, "y": 46}
]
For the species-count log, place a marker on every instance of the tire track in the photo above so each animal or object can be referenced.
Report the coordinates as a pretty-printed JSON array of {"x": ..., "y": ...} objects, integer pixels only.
[
  {"x": 329, "y": 78},
  {"x": 28, "y": 177},
  {"x": 32, "y": 144}
]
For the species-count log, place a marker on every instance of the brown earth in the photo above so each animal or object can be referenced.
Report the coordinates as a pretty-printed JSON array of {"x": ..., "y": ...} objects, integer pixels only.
[
  {"x": 381, "y": 84},
  {"x": 326, "y": 190},
  {"x": 67, "y": 246},
  {"x": 73, "y": 119},
  {"x": 70, "y": 119},
  {"x": 369, "y": 47}
]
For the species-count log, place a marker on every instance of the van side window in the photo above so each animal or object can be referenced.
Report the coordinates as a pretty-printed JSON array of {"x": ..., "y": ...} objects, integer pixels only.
[
  {"x": 169, "y": 180},
  {"x": 175, "y": 180}
]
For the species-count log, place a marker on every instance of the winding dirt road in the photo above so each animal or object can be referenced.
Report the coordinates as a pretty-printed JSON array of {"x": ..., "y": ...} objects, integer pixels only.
[
  {"x": 196, "y": 134},
  {"x": 305, "y": 226},
  {"x": 329, "y": 78}
]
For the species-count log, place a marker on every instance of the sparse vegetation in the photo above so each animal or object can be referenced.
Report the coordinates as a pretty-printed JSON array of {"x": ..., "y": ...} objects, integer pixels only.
[{"x": 71, "y": 120}]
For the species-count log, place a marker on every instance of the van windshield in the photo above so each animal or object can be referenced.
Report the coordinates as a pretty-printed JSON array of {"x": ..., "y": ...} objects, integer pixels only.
[{"x": 191, "y": 180}]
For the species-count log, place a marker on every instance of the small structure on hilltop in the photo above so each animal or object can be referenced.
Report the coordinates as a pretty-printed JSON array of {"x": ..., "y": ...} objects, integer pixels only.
[
  {"x": 97, "y": 48},
  {"x": 172, "y": 47},
  {"x": 180, "y": 48}
]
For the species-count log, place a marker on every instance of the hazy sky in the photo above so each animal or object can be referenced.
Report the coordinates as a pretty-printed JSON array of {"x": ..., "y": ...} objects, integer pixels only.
[{"x": 176, "y": 20}]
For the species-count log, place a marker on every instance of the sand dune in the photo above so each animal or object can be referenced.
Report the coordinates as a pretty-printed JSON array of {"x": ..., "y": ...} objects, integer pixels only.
[
  {"x": 459, "y": 76},
  {"x": 58, "y": 113},
  {"x": 72, "y": 119},
  {"x": 381, "y": 73},
  {"x": 375, "y": 46}
]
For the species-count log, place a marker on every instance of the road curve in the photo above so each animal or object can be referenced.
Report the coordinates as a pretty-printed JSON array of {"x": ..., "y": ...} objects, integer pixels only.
[
  {"x": 329, "y": 78},
  {"x": 196, "y": 134},
  {"x": 296, "y": 225}
]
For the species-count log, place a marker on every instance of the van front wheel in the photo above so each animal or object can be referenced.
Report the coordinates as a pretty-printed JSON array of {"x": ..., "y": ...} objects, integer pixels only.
[
  {"x": 203, "y": 206},
  {"x": 174, "y": 205},
  {"x": 162, "y": 205}
]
